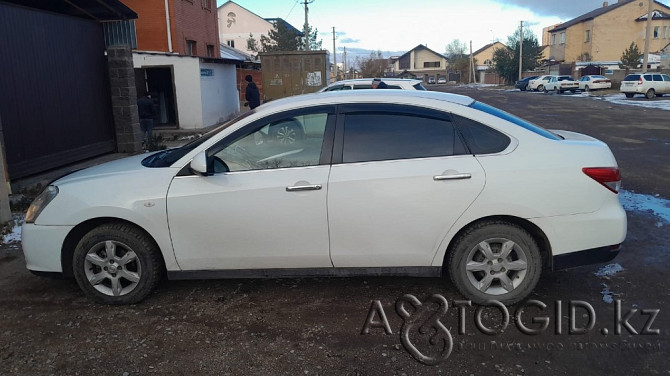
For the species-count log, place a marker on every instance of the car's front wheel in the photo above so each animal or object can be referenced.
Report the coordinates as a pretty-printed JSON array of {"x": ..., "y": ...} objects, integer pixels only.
[
  {"x": 540, "y": 88},
  {"x": 117, "y": 263},
  {"x": 495, "y": 260}
]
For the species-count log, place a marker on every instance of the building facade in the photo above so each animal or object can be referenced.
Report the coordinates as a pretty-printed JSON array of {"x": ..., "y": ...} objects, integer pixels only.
[
  {"x": 184, "y": 27},
  {"x": 604, "y": 33},
  {"x": 420, "y": 62},
  {"x": 237, "y": 24}
]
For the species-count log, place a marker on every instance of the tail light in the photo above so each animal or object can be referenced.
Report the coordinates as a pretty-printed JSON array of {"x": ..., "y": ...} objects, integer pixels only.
[
  {"x": 609, "y": 177},
  {"x": 639, "y": 81}
]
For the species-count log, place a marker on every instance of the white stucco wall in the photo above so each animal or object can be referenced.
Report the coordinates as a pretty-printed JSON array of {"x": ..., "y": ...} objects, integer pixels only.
[
  {"x": 186, "y": 75},
  {"x": 220, "y": 100},
  {"x": 236, "y": 23}
]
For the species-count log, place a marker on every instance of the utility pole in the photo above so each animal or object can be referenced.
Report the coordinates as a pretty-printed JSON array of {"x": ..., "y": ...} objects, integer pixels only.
[
  {"x": 334, "y": 55},
  {"x": 307, "y": 25},
  {"x": 344, "y": 63},
  {"x": 520, "y": 49},
  {"x": 472, "y": 65},
  {"x": 647, "y": 39}
]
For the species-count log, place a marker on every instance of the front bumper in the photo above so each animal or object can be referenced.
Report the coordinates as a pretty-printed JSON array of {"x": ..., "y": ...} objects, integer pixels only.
[{"x": 42, "y": 246}]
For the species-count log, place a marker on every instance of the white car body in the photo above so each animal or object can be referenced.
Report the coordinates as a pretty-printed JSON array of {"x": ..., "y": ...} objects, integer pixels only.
[
  {"x": 394, "y": 214},
  {"x": 366, "y": 83},
  {"x": 594, "y": 82},
  {"x": 560, "y": 84},
  {"x": 649, "y": 84},
  {"x": 538, "y": 83}
]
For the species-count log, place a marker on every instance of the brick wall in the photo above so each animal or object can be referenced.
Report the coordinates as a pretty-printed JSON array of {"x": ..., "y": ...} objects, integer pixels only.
[
  {"x": 124, "y": 99},
  {"x": 189, "y": 20}
]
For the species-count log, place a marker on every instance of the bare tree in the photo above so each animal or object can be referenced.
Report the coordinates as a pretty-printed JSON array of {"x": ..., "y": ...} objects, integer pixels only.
[{"x": 373, "y": 66}]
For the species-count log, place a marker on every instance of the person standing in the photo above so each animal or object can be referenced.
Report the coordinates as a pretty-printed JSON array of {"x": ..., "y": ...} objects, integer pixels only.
[
  {"x": 145, "y": 109},
  {"x": 252, "y": 95}
]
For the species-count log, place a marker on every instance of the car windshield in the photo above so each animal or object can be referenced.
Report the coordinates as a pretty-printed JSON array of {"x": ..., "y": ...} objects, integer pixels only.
[
  {"x": 515, "y": 120},
  {"x": 166, "y": 158}
]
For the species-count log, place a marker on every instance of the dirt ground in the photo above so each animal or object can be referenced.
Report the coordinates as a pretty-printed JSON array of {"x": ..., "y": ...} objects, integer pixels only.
[{"x": 312, "y": 326}]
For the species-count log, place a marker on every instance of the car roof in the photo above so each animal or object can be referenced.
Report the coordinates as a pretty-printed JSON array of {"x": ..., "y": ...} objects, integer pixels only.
[
  {"x": 361, "y": 96},
  {"x": 369, "y": 80}
]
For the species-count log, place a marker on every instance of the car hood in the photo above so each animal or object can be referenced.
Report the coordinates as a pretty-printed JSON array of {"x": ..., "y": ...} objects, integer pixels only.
[{"x": 129, "y": 165}]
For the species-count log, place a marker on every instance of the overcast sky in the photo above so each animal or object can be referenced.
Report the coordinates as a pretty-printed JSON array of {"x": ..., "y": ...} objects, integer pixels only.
[{"x": 395, "y": 27}]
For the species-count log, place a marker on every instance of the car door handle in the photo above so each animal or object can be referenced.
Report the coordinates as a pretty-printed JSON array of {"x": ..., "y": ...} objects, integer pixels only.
[
  {"x": 299, "y": 188},
  {"x": 452, "y": 177}
]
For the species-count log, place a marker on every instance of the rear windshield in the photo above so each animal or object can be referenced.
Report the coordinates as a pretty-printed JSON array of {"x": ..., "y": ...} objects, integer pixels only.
[
  {"x": 632, "y": 77},
  {"x": 515, "y": 120}
]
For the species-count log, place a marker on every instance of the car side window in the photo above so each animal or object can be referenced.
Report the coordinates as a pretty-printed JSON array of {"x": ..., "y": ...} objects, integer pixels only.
[
  {"x": 376, "y": 136},
  {"x": 666, "y": 77},
  {"x": 647, "y": 77},
  {"x": 335, "y": 88},
  {"x": 481, "y": 139},
  {"x": 657, "y": 77},
  {"x": 362, "y": 86},
  {"x": 294, "y": 141}
]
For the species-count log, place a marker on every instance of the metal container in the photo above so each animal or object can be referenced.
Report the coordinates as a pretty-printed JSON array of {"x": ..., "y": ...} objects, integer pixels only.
[{"x": 290, "y": 73}]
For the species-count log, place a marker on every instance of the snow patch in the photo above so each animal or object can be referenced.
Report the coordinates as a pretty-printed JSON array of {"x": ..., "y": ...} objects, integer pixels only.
[
  {"x": 15, "y": 235},
  {"x": 609, "y": 270},
  {"x": 608, "y": 296},
  {"x": 658, "y": 206},
  {"x": 636, "y": 101}
]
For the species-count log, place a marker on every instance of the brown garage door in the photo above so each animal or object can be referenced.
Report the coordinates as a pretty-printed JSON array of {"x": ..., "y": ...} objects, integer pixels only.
[{"x": 55, "y": 105}]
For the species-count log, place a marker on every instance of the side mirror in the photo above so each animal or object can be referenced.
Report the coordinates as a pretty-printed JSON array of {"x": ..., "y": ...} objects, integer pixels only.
[{"x": 199, "y": 164}]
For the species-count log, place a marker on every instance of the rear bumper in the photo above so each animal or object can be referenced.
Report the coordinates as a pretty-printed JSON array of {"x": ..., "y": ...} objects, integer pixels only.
[{"x": 586, "y": 257}]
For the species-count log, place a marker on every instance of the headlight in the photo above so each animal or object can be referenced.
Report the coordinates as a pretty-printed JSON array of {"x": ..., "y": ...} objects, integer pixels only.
[{"x": 41, "y": 202}]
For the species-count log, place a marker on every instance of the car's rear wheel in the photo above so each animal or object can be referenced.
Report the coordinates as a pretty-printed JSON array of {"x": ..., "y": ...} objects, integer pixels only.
[
  {"x": 522, "y": 88},
  {"x": 117, "y": 263},
  {"x": 495, "y": 260},
  {"x": 650, "y": 93},
  {"x": 586, "y": 88},
  {"x": 629, "y": 95},
  {"x": 540, "y": 88}
]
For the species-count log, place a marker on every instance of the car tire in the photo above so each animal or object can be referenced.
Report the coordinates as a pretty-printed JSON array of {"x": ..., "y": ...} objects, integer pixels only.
[
  {"x": 557, "y": 91},
  {"x": 128, "y": 275},
  {"x": 650, "y": 94},
  {"x": 541, "y": 88},
  {"x": 522, "y": 88},
  {"x": 504, "y": 261},
  {"x": 629, "y": 95},
  {"x": 586, "y": 88}
]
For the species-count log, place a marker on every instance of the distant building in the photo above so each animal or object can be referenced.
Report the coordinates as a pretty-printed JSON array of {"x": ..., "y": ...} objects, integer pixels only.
[
  {"x": 420, "y": 62},
  {"x": 236, "y": 24},
  {"x": 604, "y": 33}
]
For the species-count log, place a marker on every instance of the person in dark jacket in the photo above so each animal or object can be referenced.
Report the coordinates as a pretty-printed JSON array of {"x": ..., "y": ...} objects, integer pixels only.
[
  {"x": 252, "y": 95},
  {"x": 146, "y": 112},
  {"x": 377, "y": 83}
]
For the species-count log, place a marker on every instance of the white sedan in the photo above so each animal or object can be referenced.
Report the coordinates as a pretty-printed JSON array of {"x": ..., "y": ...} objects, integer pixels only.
[
  {"x": 559, "y": 84},
  {"x": 375, "y": 182},
  {"x": 594, "y": 82},
  {"x": 537, "y": 84},
  {"x": 366, "y": 83}
]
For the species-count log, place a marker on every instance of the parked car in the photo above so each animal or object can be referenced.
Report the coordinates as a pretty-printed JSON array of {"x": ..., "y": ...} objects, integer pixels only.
[
  {"x": 441, "y": 80},
  {"x": 388, "y": 182},
  {"x": 594, "y": 82},
  {"x": 649, "y": 84},
  {"x": 559, "y": 84},
  {"x": 431, "y": 80},
  {"x": 523, "y": 83},
  {"x": 366, "y": 83},
  {"x": 537, "y": 84}
]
